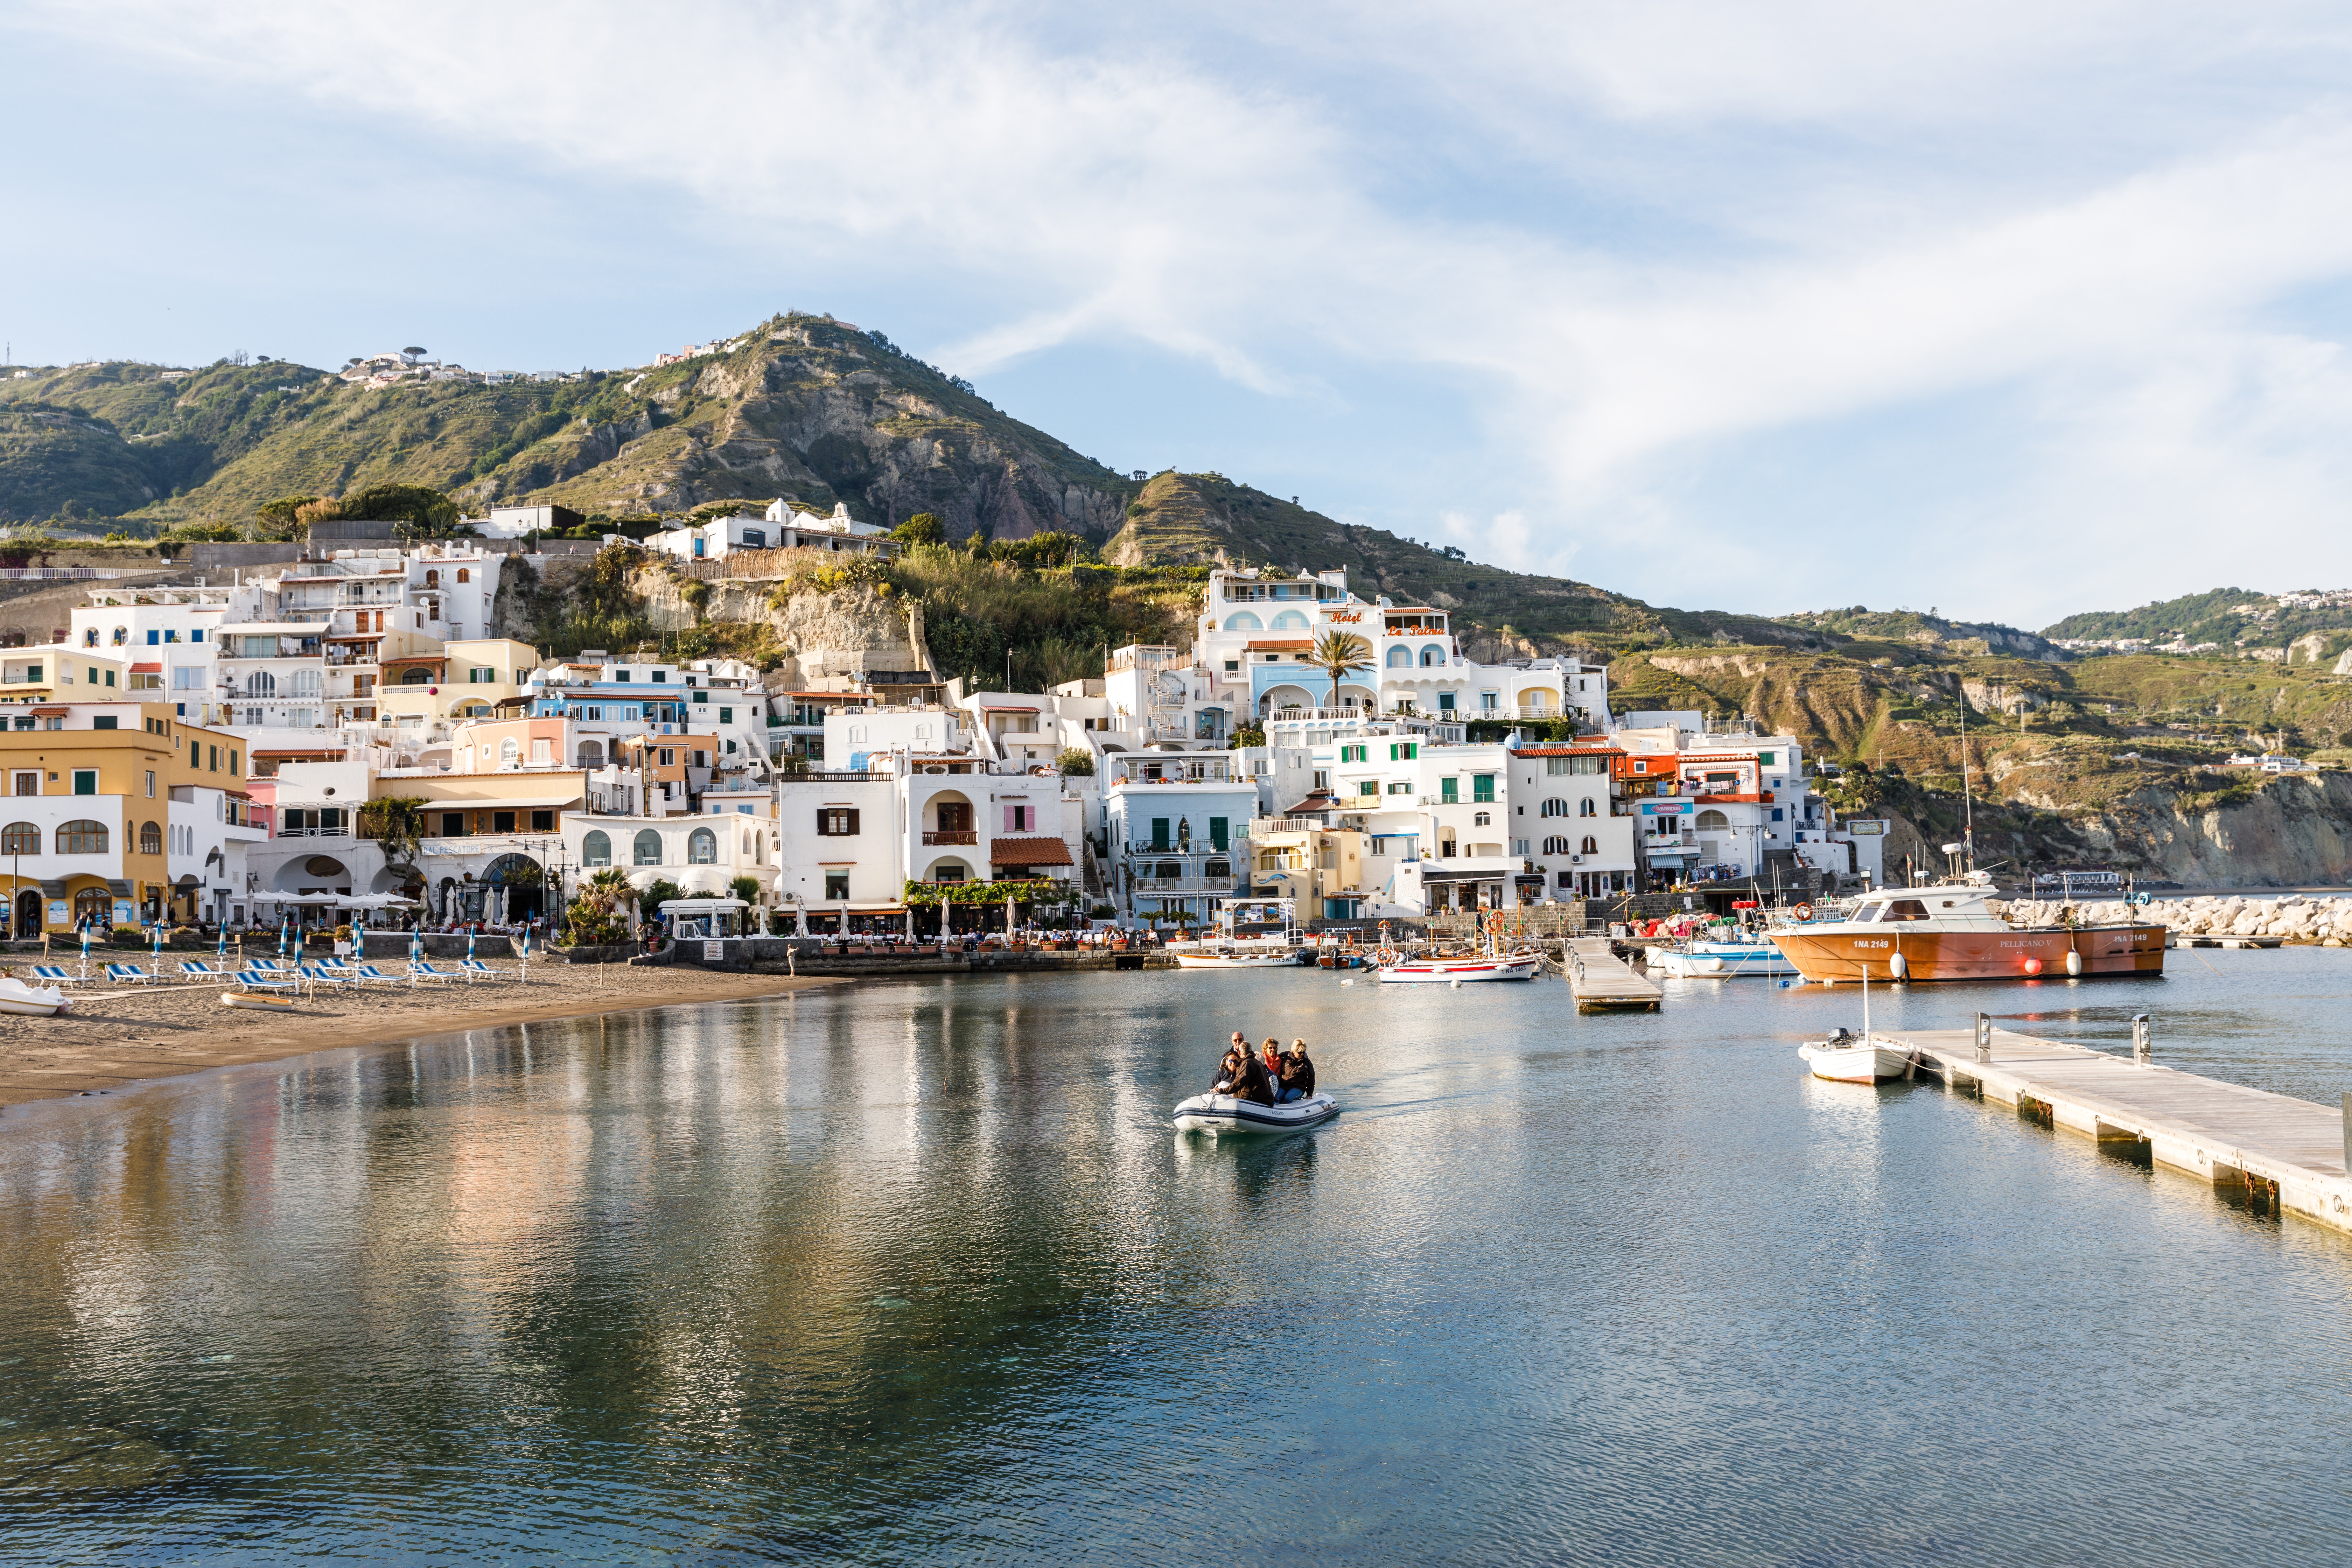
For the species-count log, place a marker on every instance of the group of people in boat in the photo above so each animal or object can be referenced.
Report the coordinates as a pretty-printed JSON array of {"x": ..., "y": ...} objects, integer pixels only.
[{"x": 1266, "y": 1076}]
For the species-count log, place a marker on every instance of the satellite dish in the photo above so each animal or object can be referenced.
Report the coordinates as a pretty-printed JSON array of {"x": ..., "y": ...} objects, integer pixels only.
[{"x": 1954, "y": 848}]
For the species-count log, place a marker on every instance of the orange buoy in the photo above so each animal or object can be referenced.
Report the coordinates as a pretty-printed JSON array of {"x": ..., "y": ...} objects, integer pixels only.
[{"x": 2033, "y": 967}]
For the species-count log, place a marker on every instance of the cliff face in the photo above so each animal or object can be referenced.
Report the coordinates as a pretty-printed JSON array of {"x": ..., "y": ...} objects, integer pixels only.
[{"x": 2294, "y": 831}]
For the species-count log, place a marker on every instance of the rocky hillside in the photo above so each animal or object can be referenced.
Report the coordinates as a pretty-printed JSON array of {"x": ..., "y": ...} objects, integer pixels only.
[{"x": 802, "y": 406}]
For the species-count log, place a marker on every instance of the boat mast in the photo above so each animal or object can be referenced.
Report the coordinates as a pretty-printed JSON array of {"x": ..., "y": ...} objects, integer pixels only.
[{"x": 1967, "y": 792}]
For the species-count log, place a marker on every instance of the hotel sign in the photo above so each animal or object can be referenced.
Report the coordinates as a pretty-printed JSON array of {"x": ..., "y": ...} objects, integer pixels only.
[{"x": 1348, "y": 616}]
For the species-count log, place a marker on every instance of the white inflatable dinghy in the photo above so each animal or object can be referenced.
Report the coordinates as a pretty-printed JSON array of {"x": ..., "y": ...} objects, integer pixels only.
[{"x": 1224, "y": 1113}]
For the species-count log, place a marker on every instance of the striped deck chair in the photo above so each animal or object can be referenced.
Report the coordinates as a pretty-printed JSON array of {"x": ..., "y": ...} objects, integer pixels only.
[
  {"x": 418, "y": 970},
  {"x": 477, "y": 970},
  {"x": 364, "y": 972},
  {"x": 57, "y": 974},
  {"x": 197, "y": 969},
  {"x": 266, "y": 980},
  {"x": 129, "y": 974},
  {"x": 320, "y": 974}
]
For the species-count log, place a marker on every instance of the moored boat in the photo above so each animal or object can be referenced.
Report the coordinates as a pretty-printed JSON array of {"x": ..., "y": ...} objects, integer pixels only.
[
  {"x": 1866, "y": 1058},
  {"x": 1475, "y": 966},
  {"x": 1277, "y": 959},
  {"x": 1720, "y": 961},
  {"x": 1951, "y": 932},
  {"x": 1224, "y": 1113}
]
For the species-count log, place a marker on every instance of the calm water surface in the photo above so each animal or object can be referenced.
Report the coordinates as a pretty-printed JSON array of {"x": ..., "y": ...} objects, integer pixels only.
[{"x": 918, "y": 1272}]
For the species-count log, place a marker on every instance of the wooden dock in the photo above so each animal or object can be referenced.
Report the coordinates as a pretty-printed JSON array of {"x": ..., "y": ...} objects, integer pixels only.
[
  {"x": 1603, "y": 982},
  {"x": 2279, "y": 1154}
]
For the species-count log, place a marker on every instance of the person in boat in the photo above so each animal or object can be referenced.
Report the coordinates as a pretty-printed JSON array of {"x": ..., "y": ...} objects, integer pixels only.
[
  {"x": 1297, "y": 1073},
  {"x": 1271, "y": 1062},
  {"x": 1230, "y": 1073}
]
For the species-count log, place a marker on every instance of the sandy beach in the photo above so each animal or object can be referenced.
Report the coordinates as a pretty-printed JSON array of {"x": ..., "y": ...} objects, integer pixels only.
[{"x": 115, "y": 1036}]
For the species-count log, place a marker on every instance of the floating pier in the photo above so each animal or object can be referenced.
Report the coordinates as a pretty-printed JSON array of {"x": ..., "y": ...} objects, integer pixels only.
[
  {"x": 1603, "y": 982},
  {"x": 2279, "y": 1154}
]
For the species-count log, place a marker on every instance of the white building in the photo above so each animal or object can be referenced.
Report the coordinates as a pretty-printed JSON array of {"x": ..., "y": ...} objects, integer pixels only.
[{"x": 782, "y": 527}]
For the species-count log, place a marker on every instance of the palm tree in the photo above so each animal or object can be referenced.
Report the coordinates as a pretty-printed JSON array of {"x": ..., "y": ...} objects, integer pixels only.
[{"x": 1339, "y": 655}]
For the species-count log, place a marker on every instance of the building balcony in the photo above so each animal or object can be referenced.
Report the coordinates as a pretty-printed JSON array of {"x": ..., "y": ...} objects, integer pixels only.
[
  {"x": 947, "y": 836},
  {"x": 314, "y": 833}
]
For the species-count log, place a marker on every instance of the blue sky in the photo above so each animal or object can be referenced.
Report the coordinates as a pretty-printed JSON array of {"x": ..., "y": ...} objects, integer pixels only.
[{"x": 2010, "y": 310}]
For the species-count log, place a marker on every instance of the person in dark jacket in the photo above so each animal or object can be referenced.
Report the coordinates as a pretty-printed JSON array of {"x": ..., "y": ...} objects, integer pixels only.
[
  {"x": 1297, "y": 1073},
  {"x": 1256, "y": 1084},
  {"x": 1228, "y": 1071}
]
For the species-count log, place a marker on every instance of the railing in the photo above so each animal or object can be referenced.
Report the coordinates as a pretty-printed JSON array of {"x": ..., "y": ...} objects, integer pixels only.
[
  {"x": 1183, "y": 884},
  {"x": 314, "y": 833},
  {"x": 1239, "y": 845},
  {"x": 952, "y": 836}
]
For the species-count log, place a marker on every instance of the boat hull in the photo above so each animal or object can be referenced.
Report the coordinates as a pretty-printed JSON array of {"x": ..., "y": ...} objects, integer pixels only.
[
  {"x": 1236, "y": 960},
  {"x": 1849, "y": 954},
  {"x": 257, "y": 1001},
  {"x": 1447, "y": 971},
  {"x": 1875, "y": 1062},
  {"x": 32, "y": 1001},
  {"x": 1224, "y": 1115},
  {"x": 1726, "y": 961}
]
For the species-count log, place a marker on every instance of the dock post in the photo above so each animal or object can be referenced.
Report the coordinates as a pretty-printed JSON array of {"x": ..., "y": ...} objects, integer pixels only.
[
  {"x": 1984, "y": 1037},
  {"x": 2139, "y": 1038}
]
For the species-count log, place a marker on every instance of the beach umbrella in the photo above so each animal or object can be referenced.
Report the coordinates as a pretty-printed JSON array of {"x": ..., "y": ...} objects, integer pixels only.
[
  {"x": 159, "y": 944},
  {"x": 526, "y": 952},
  {"x": 285, "y": 934},
  {"x": 470, "y": 945},
  {"x": 85, "y": 950},
  {"x": 222, "y": 951}
]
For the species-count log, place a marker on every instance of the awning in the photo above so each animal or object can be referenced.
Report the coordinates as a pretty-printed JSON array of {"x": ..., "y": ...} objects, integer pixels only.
[
  {"x": 1029, "y": 852},
  {"x": 146, "y": 669},
  {"x": 521, "y": 802}
]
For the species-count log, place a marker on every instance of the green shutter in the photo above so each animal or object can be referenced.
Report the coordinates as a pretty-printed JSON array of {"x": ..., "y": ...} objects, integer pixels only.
[
  {"x": 1448, "y": 791},
  {"x": 1217, "y": 832},
  {"x": 1482, "y": 787},
  {"x": 1159, "y": 833}
]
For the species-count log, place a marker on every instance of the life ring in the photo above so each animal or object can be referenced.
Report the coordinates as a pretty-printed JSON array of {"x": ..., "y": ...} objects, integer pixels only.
[{"x": 1803, "y": 911}]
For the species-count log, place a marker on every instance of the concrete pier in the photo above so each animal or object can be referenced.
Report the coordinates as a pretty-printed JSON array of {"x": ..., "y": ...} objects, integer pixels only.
[{"x": 2283, "y": 1155}]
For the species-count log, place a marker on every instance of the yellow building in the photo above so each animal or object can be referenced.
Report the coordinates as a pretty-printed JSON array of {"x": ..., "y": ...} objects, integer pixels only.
[
  {"x": 89, "y": 830},
  {"x": 41, "y": 677},
  {"x": 1322, "y": 867},
  {"x": 467, "y": 679}
]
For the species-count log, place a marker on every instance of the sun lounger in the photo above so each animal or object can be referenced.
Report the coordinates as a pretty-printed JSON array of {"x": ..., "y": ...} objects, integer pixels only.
[
  {"x": 266, "y": 980},
  {"x": 318, "y": 974},
  {"x": 366, "y": 972},
  {"x": 56, "y": 974},
  {"x": 129, "y": 974},
  {"x": 477, "y": 970},
  {"x": 197, "y": 969},
  {"x": 417, "y": 971}
]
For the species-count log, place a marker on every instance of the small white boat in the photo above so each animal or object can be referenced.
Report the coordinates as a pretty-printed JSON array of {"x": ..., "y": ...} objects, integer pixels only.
[
  {"x": 1222, "y": 1113},
  {"x": 1446, "y": 971},
  {"x": 1846, "y": 1058},
  {"x": 1275, "y": 960},
  {"x": 260, "y": 1001},
  {"x": 34, "y": 1001},
  {"x": 1720, "y": 961}
]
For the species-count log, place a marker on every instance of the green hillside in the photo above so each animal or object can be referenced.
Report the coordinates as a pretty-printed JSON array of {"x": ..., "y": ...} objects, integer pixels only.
[{"x": 2230, "y": 617}]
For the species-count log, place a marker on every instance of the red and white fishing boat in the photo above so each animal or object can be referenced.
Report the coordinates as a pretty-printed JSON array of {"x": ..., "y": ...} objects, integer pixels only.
[{"x": 1491, "y": 964}]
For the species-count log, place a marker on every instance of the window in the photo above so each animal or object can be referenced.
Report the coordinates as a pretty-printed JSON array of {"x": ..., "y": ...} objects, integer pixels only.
[
  {"x": 597, "y": 849},
  {"x": 1484, "y": 819},
  {"x": 433, "y": 579},
  {"x": 85, "y": 781},
  {"x": 1218, "y": 837},
  {"x": 104, "y": 722},
  {"x": 1595, "y": 764},
  {"x": 153, "y": 636},
  {"x": 198, "y": 635},
  {"x": 660, "y": 676},
  {"x": 1400, "y": 787},
  {"x": 620, "y": 675},
  {"x": 648, "y": 847},
  {"x": 415, "y": 677},
  {"x": 304, "y": 684},
  {"x": 261, "y": 683},
  {"x": 1432, "y": 655},
  {"x": 83, "y": 838},
  {"x": 453, "y": 824},
  {"x": 216, "y": 754},
  {"x": 668, "y": 756},
  {"x": 1369, "y": 786},
  {"x": 1554, "y": 844},
  {"x": 543, "y": 749},
  {"x": 702, "y": 848},
  {"x": 89, "y": 637},
  {"x": 836, "y": 884},
  {"x": 1446, "y": 703},
  {"x": 1553, "y": 807},
  {"x": 1713, "y": 822},
  {"x": 726, "y": 715},
  {"x": 1482, "y": 787},
  {"x": 1486, "y": 701},
  {"x": 502, "y": 821},
  {"x": 1588, "y": 807},
  {"x": 699, "y": 696},
  {"x": 232, "y": 763},
  {"x": 1399, "y": 658},
  {"x": 109, "y": 678},
  {"x": 464, "y": 575},
  {"x": 151, "y": 840},
  {"x": 150, "y": 784},
  {"x": 542, "y": 822},
  {"x": 1449, "y": 791},
  {"x": 20, "y": 838},
  {"x": 1405, "y": 752},
  {"x": 1592, "y": 845}
]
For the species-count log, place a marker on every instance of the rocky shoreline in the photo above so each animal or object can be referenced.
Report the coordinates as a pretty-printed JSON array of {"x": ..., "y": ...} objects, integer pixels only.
[{"x": 2294, "y": 918}]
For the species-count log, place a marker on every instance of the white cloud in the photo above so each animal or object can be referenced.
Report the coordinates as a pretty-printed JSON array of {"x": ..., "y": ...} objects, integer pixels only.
[{"x": 1636, "y": 234}]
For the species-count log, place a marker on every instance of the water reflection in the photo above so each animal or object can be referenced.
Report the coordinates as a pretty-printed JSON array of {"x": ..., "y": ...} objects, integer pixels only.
[{"x": 921, "y": 1271}]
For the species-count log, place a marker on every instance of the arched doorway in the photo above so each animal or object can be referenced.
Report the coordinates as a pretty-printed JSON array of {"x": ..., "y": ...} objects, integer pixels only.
[
  {"x": 514, "y": 889},
  {"x": 28, "y": 913},
  {"x": 93, "y": 907}
]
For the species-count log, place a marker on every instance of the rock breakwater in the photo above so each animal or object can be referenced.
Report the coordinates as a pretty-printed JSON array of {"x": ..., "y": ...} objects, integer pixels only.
[{"x": 2294, "y": 917}]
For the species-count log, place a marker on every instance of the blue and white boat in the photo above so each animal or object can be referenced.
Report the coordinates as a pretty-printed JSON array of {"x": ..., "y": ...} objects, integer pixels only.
[
  {"x": 1721, "y": 961},
  {"x": 1223, "y": 1113}
]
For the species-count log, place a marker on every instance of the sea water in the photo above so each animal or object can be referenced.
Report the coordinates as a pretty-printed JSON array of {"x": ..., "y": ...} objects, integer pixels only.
[{"x": 917, "y": 1271}]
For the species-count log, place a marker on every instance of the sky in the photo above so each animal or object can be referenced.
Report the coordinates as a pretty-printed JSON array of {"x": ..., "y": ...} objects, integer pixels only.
[{"x": 2005, "y": 310}]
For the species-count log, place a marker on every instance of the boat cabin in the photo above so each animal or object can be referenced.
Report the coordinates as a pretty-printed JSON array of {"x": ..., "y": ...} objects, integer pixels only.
[
  {"x": 1950, "y": 908},
  {"x": 702, "y": 919}
]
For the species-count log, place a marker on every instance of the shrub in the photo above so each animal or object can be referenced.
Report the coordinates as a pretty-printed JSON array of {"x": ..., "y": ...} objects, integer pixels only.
[{"x": 1077, "y": 762}]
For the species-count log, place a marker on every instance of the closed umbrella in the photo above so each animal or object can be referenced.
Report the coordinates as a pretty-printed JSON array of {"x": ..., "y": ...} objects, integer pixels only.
[
  {"x": 85, "y": 950},
  {"x": 526, "y": 952},
  {"x": 159, "y": 947},
  {"x": 222, "y": 951},
  {"x": 285, "y": 935},
  {"x": 470, "y": 945}
]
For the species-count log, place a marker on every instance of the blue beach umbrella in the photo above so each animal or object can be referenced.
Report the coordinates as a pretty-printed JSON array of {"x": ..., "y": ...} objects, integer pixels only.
[
  {"x": 222, "y": 951},
  {"x": 159, "y": 944},
  {"x": 85, "y": 946},
  {"x": 415, "y": 944},
  {"x": 285, "y": 934},
  {"x": 470, "y": 945}
]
